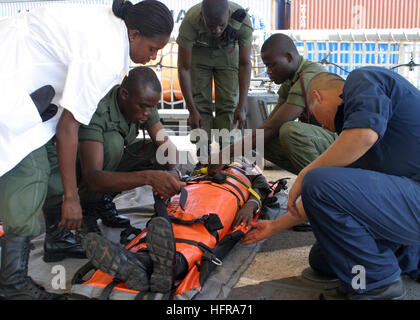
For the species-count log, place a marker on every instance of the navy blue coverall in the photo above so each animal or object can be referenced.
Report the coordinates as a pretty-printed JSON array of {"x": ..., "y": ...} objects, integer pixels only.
[{"x": 368, "y": 214}]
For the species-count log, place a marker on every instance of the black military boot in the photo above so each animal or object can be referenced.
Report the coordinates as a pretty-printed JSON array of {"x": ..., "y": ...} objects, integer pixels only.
[
  {"x": 90, "y": 217},
  {"x": 131, "y": 268},
  {"x": 162, "y": 250},
  {"x": 108, "y": 213},
  {"x": 15, "y": 284},
  {"x": 59, "y": 242}
]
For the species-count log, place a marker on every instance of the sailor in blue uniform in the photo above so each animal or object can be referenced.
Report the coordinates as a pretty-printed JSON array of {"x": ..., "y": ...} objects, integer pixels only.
[{"x": 362, "y": 195}]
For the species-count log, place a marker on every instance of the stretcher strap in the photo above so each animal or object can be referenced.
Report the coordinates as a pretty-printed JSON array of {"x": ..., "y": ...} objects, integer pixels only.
[
  {"x": 220, "y": 178},
  {"x": 127, "y": 232},
  {"x": 210, "y": 183},
  {"x": 211, "y": 221},
  {"x": 81, "y": 272},
  {"x": 106, "y": 293},
  {"x": 208, "y": 253},
  {"x": 252, "y": 191},
  {"x": 183, "y": 198}
]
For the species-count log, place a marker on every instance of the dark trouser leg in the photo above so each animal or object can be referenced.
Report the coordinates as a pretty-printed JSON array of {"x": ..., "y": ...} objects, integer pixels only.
[
  {"x": 201, "y": 77},
  {"x": 15, "y": 284},
  {"x": 59, "y": 243},
  {"x": 354, "y": 222},
  {"x": 318, "y": 262},
  {"x": 99, "y": 205},
  {"x": 226, "y": 99},
  {"x": 408, "y": 260}
]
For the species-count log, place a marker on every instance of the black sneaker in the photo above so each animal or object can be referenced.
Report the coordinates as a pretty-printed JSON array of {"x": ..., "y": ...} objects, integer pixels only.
[
  {"x": 392, "y": 291},
  {"x": 116, "y": 261},
  {"x": 161, "y": 245}
]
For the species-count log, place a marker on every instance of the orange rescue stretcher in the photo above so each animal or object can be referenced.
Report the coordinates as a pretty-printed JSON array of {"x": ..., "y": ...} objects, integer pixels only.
[{"x": 202, "y": 231}]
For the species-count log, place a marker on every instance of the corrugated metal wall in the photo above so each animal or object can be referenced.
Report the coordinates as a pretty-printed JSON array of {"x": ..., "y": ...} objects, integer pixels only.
[{"x": 355, "y": 14}]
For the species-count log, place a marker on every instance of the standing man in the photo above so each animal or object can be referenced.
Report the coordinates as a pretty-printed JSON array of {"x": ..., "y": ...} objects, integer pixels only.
[
  {"x": 215, "y": 42},
  {"x": 362, "y": 195}
]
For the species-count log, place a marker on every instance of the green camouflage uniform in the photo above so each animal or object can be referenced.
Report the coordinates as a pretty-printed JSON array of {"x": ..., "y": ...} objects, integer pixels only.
[
  {"x": 209, "y": 61},
  {"x": 299, "y": 142},
  {"x": 110, "y": 127}
]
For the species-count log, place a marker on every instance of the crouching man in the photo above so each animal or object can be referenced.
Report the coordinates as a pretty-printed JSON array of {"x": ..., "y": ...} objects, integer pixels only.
[{"x": 112, "y": 159}]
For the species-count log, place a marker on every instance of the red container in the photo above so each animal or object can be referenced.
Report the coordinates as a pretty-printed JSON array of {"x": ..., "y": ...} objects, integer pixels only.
[{"x": 354, "y": 14}]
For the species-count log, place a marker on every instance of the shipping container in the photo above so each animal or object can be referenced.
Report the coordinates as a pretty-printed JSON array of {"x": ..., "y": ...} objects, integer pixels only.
[{"x": 354, "y": 14}]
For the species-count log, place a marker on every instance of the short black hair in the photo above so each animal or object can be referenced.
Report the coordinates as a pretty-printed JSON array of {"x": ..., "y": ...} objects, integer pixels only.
[
  {"x": 214, "y": 9},
  {"x": 141, "y": 78},
  {"x": 150, "y": 17},
  {"x": 281, "y": 43}
]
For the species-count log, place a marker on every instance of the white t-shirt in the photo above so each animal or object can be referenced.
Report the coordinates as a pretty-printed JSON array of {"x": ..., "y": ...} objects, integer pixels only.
[{"x": 81, "y": 51}]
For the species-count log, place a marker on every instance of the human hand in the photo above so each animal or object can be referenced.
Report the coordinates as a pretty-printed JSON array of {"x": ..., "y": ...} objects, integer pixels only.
[
  {"x": 165, "y": 184},
  {"x": 239, "y": 117},
  {"x": 195, "y": 120},
  {"x": 244, "y": 216},
  {"x": 71, "y": 214},
  {"x": 175, "y": 173},
  {"x": 262, "y": 229},
  {"x": 212, "y": 169}
]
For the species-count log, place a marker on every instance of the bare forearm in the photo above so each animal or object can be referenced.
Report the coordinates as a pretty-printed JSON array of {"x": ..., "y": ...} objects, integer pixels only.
[
  {"x": 109, "y": 182},
  {"x": 351, "y": 145},
  {"x": 288, "y": 220},
  {"x": 67, "y": 142},
  {"x": 244, "y": 80},
  {"x": 186, "y": 88}
]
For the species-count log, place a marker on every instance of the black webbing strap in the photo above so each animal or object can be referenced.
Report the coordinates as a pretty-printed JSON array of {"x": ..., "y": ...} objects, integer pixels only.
[
  {"x": 127, "y": 232},
  {"x": 106, "y": 293},
  {"x": 211, "y": 221},
  {"x": 183, "y": 198},
  {"x": 81, "y": 272},
  {"x": 160, "y": 207},
  {"x": 208, "y": 253},
  {"x": 237, "y": 189},
  {"x": 210, "y": 183},
  {"x": 235, "y": 237}
]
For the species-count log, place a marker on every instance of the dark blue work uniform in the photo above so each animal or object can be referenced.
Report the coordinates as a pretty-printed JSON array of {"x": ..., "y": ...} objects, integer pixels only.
[{"x": 368, "y": 214}]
